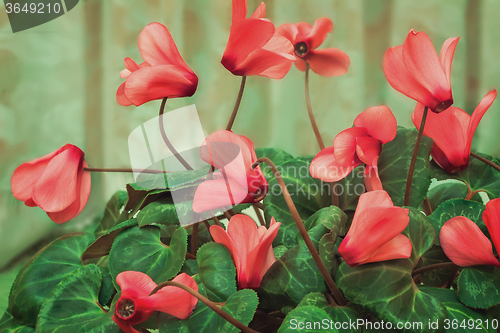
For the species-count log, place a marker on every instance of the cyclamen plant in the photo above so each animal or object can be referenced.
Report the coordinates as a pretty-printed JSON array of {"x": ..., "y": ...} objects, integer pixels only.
[{"x": 400, "y": 255}]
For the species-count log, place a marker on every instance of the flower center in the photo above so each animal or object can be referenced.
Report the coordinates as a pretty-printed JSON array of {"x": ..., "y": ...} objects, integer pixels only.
[
  {"x": 301, "y": 49},
  {"x": 443, "y": 106},
  {"x": 125, "y": 308}
]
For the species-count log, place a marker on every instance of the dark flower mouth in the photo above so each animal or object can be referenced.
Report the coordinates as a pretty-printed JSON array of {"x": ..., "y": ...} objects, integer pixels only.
[
  {"x": 443, "y": 106},
  {"x": 301, "y": 49},
  {"x": 125, "y": 308}
]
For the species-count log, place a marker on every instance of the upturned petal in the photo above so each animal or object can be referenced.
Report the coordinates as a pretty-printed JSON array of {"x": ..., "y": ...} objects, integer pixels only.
[
  {"x": 319, "y": 32},
  {"x": 325, "y": 167},
  {"x": 464, "y": 243},
  {"x": 477, "y": 115},
  {"x": 329, "y": 62},
  {"x": 446, "y": 56},
  {"x": 379, "y": 122},
  {"x": 345, "y": 145},
  {"x": 491, "y": 217}
]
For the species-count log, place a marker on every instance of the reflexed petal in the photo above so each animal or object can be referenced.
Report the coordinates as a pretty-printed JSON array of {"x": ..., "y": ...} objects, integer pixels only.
[
  {"x": 401, "y": 79},
  {"x": 345, "y": 145},
  {"x": 124, "y": 73},
  {"x": 243, "y": 232},
  {"x": 220, "y": 236},
  {"x": 372, "y": 200},
  {"x": 379, "y": 122},
  {"x": 329, "y": 62},
  {"x": 56, "y": 189},
  {"x": 278, "y": 71},
  {"x": 131, "y": 65},
  {"x": 135, "y": 284},
  {"x": 25, "y": 176},
  {"x": 372, "y": 179},
  {"x": 446, "y": 55},
  {"x": 325, "y": 167},
  {"x": 282, "y": 45},
  {"x": 420, "y": 59},
  {"x": 464, "y": 243},
  {"x": 303, "y": 31},
  {"x": 173, "y": 300},
  {"x": 157, "y": 47},
  {"x": 397, "y": 248},
  {"x": 260, "y": 61},
  {"x": 260, "y": 12},
  {"x": 448, "y": 130},
  {"x": 368, "y": 149},
  {"x": 319, "y": 32},
  {"x": 246, "y": 36},
  {"x": 239, "y": 8},
  {"x": 288, "y": 31},
  {"x": 301, "y": 65},
  {"x": 215, "y": 194},
  {"x": 120, "y": 95},
  {"x": 157, "y": 82},
  {"x": 478, "y": 113},
  {"x": 127, "y": 328},
  {"x": 491, "y": 217}
]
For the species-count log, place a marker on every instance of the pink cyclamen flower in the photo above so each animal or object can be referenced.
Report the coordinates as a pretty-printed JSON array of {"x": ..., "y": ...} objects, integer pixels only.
[
  {"x": 452, "y": 132},
  {"x": 250, "y": 247},
  {"x": 465, "y": 244},
  {"x": 55, "y": 182},
  {"x": 253, "y": 48},
  {"x": 306, "y": 39},
  {"x": 162, "y": 74},
  {"x": 415, "y": 70},
  {"x": 235, "y": 182},
  {"x": 375, "y": 232},
  {"x": 136, "y": 306},
  {"x": 356, "y": 145}
]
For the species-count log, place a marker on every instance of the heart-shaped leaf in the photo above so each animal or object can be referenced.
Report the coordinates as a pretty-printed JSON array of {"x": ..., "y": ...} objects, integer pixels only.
[
  {"x": 9, "y": 325},
  {"x": 140, "y": 249},
  {"x": 112, "y": 213},
  {"x": 307, "y": 319},
  {"x": 216, "y": 271},
  {"x": 394, "y": 162},
  {"x": 446, "y": 190},
  {"x": 278, "y": 156},
  {"x": 479, "y": 286},
  {"x": 43, "y": 272},
  {"x": 436, "y": 277}
]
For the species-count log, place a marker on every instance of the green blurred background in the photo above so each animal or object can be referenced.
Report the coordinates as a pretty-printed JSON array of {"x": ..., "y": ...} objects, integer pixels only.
[{"x": 58, "y": 83}]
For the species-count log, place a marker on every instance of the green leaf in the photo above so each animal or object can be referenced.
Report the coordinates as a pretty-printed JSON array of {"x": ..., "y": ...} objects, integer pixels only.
[
  {"x": 457, "y": 207},
  {"x": 478, "y": 175},
  {"x": 241, "y": 305},
  {"x": 308, "y": 194},
  {"x": 161, "y": 211},
  {"x": 278, "y": 156},
  {"x": 436, "y": 277},
  {"x": 394, "y": 162},
  {"x": 43, "y": 272},
  {"x": 385, "y": 288},
  {"x": 108, "y": 288},
  {"x": 479, "y": 286},
  {"x": 444, "y": 191},
  {"x": 290, "y": 278},
  {"x": 307, "y": 319},
  {"x": 216, "y": 271},
  {"x": 340, "y": 315},
  {"x": 140, "y": 249},
  {"x": 9, "y": 325},
  {"x": 111, "y": 214},
  {"x": 458, "y": 314},
  {"x": 103, "y": 244},
  {"x": 73, "y": 303}
]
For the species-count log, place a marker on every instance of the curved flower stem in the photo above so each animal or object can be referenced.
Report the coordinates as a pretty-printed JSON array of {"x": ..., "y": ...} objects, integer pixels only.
[
  {"x": 259, "y": 205},
  {"x": 227, "y": 215},
  {"x": 259, "y": 215},
  {"x": 471, "y": 194},
  {"x": 237, "y": 104},
  {"x": 431, "y": 267},
  {"x": 427, "y": 206},
  {"x": 303, "y": 232},
  {"x": 484, "y": 160},
  {"x": 167, "y": 141},
  {"x": 194, "y": 239},
  {"x": 409, "y": 179},
  {"x": 310, "y": 111},
  {"x": 124, "y": 170},
  {"x": 208, "y": 303}
]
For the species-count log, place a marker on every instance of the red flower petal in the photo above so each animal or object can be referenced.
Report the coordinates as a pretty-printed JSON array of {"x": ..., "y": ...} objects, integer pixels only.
[
  {"x": 491, "y": 217},
  {"x": 397, "y": 248},
  {"x": 325, "y": 167},
  {"x": 368, "y": 149},
  {"x": 319, "y": 32},
  {"x": 125, "y": 327},
  {"x": 130, "y": 65},
  {"x": 220, "y": 236},
  {"x": 246, "y": 36},
  {"x": 157, "y": 82},
  {"x": 135, "y": 284},
  {"x": 402, "y": 80},
  {"x": 379, "y": 122},
  {"x": 464, "y": 243},
  {"x": 215, "y": 194},
  {"x": 120, "y": 94},
  {"x": 239, "y": 8},
  {"x": 304, "y": 30},
  {"x": 376, "y": 199},
  {"x": 57, "y": 189},
  {"x": 420, "y": 59},
  {"x": 243, "y": 232},
  {"x": 25, "y": 176},
  {"x": 173, "y": 300},
  {"x": 301, "y": 65},
  {"x": 328, "y": 62},
  {"x": 478, "y": 113},
  {"x": 446, "y": 55},
  {"x": 157, "y": 47},
  {"x": 448, "y": 130},
  {"x": 266, "y": 63},
  {"x": 372, "y": 179},
  {"x": 260, "y": 12},
  {"x": 288, "y": 30},
  {"x": 345, "y": 145}
]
